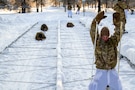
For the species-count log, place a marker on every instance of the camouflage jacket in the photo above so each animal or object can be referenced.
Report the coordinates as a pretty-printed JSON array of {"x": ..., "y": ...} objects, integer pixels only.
[
  {"x": 105, "y": 52},
  {"x": 119, "y": 7},
  {"x": 69, "y": 7}
]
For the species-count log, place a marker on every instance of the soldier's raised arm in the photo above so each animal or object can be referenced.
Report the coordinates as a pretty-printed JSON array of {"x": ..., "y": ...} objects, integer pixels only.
[
  {"x": 96, "y": 21},
  {"x": 118, "y": 31}
]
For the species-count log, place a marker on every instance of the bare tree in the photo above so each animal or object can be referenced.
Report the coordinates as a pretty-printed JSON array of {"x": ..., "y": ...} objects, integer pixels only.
[{"x": 99, "y": 5}]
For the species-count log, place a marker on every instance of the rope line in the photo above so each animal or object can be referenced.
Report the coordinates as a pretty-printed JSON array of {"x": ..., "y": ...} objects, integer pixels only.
[
  {"x": 45, "y": 87},
  {"x": 32, "y": 47},
  {"x": 19, "y": 37},
  {"x": 80, "y": 68},
  {"x": 25, "y": 71},
  {"x": 77, "y": 80},
  {"x": 76, "y": 65},
  {"x": 27, "y": 65},
  {"x": 26, "y": 82},
  {"x": 29, "y": 59}
]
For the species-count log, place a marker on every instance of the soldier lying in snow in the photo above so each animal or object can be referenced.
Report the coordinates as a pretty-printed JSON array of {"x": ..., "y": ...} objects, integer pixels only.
[
  {"x": 44, "y": 27},
  {"x": 69, "y": 24},
  {"x": 40, "y": 36}
]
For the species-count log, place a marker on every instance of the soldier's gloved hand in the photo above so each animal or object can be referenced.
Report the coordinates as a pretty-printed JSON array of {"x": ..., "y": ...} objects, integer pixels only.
[
  {"x": 100, "y": 16},
  {"x": 116, "y": 19}
]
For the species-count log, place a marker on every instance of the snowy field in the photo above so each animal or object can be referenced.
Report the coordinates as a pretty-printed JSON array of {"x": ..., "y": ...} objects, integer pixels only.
[{"x": 62, "y": 61}]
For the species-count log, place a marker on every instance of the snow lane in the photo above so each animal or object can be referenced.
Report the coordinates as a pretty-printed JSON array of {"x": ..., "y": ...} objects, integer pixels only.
[
  {"x": 76, "y": 50},
  {"x": 34, "y": 62},
  {"x": 14, "y": 35},
  {"x": 59, "y": 85},
  {"x": 30, "y": 60}
]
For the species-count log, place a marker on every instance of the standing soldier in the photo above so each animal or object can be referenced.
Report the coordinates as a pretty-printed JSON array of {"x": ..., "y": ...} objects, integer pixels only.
[
  {"x": 120, "y": 8},
  {"x": 106, "y": 77},
  {"x": 78, "y": 9},
  {"x": 69, "y": 10}
]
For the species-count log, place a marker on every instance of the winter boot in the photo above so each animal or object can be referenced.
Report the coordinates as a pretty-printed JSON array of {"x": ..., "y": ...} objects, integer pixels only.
[{"x": 124, "y": 32}]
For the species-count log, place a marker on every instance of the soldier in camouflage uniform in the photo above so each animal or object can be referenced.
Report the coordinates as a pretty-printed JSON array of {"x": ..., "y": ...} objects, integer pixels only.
[
  {"x": 69, "y": 10},
  {"x": 120, "y": 7},
  {"x": 78, "y": 9},
  {"x": 105, "y": 55}
]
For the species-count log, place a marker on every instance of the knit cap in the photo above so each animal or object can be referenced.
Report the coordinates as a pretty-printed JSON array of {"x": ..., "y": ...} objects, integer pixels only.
[{"x": 105, "y": 31}]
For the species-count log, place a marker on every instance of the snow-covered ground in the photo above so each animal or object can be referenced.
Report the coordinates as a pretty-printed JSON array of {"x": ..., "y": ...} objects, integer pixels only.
[{"x": 64, "y": 59}]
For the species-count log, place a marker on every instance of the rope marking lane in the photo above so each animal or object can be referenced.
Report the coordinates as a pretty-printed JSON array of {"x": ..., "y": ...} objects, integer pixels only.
[
  {"x": 78, "y": 39},
  {"x": 19, "y": 37},
  {"x": 26, "y": 82},
  {"x": 18, "y": 71}
]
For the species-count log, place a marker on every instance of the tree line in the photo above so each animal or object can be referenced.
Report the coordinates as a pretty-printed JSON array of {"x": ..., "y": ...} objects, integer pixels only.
[{"x": 27, "y": 4}]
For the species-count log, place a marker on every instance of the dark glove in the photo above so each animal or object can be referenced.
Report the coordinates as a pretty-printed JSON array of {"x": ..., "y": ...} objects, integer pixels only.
[
  {"x": 116, "y": 19},
  {"x": 100, "y": 16}
]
